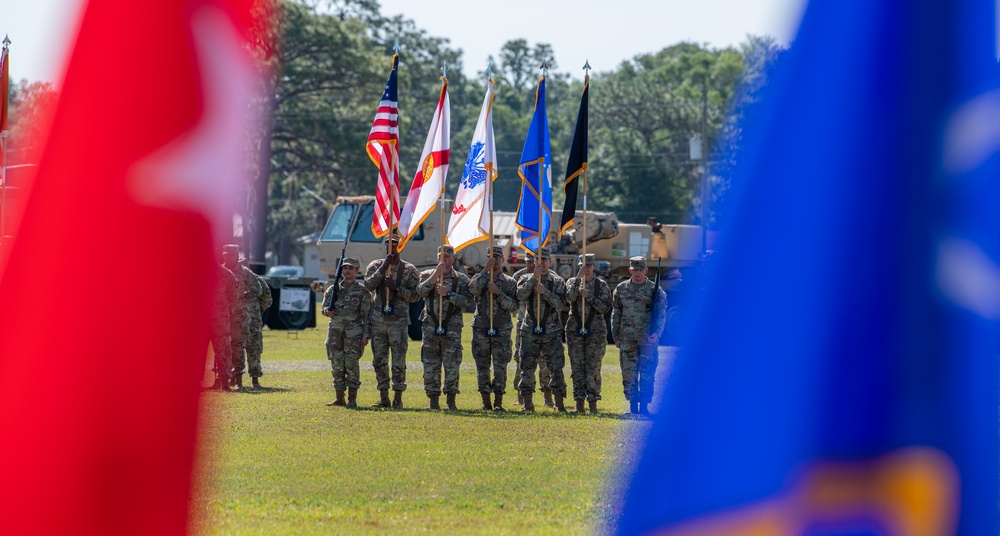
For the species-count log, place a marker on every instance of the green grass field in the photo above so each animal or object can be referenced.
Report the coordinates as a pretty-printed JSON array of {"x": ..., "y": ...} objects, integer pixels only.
[{"x": 278, "y": 461}]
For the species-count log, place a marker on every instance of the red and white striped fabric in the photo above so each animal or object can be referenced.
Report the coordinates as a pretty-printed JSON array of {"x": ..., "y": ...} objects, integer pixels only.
[
  {"x": 383, "y": 149},
  {"x": 428, "y": 182}
]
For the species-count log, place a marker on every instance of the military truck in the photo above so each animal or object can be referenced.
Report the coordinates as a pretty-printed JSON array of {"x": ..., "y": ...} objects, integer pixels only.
[{"x": 612, "y": 242}]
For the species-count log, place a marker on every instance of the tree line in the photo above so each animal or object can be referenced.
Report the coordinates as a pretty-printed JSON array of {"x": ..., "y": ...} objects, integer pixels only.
[{"x": 327, "y": 62}]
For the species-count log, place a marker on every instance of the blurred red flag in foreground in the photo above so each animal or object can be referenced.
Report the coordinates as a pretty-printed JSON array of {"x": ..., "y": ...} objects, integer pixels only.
[{"x": 104, "y": 293}]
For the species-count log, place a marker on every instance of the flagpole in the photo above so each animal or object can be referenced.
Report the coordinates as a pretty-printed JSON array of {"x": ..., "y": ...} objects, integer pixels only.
[
  {"x": 538, "y": 246},
  {"x": 392, "y": 198},
  {"x": 489, "y": 193},
  {"x": 3, "y": 158},
  {"x": 440, "y": 259},
  {"x": 583, "y": 283}
]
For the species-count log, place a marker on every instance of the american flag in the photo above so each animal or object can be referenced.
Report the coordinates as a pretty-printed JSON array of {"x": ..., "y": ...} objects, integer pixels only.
[{"x": 382, "y": 147}]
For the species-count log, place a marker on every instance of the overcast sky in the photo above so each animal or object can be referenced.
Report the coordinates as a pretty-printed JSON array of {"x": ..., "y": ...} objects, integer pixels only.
[{"x": 604, "y": 31}]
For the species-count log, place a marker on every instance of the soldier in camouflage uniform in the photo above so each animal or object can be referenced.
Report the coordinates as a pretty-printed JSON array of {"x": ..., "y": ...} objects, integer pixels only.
[
  {"x": 250, "y": 289},
  {"x": 541, "y": 337},
  {"x": 348, "y": 332},
  {"x": 636, "y": 325},
  {"x": 246, "y": 286},
  {"x": 390, "y": 319},
  {"x": 222, "y": 309},
  {"x": 255, "y": 341},
  {"x": 492, "y": 346},
  {"x": 543, "y": 369},
  {"x": 587, "y": 336},
  {"x": 446, "y": 293}
]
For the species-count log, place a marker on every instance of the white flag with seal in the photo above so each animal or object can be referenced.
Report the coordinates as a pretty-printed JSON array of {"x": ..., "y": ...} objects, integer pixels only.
[{"x": 470, "y": 218}]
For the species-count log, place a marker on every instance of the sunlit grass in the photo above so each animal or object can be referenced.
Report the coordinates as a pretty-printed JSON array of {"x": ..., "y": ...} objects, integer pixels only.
[{"x": 279, "y": 461}]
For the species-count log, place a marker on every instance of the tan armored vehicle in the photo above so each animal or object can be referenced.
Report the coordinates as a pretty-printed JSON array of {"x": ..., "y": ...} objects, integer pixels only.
[{"x": 611, "y": 241}]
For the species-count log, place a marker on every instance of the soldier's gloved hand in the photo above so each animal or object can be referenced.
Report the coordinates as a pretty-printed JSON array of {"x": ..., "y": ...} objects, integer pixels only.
[
  {"x": 442, "y": 290},
  {"x": 326, "y": 312},
  {"x": 540, "y": 289},
  {"x": 494, "y": 289},
  {"x": 391, "y": 283},
  {"x": 584, "y": 292}
]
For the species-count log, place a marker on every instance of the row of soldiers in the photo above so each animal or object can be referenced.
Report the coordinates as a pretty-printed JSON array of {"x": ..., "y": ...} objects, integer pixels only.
[
  {"x": 240, "y": 298},
  {"x": 548, "y": 311}
]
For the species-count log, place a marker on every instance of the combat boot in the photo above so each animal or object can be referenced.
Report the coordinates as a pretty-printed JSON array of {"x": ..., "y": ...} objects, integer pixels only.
[
  {"x": 520, "y": 399},
  {"x": 352, "y": 397},
  {"x": 633, "y": 407},
  {"x": 451, "y": 402},
  {"x": 547, "y": 397},
  {"x": 397, "y": 400},
  {"x": 487, "y": 405},
  {"x": 434, "y": 402},
  {"x": 218, "y": 383},
  {"x": 529, "y": 406},
  {"x": 593, "y": 406},
  {"x": 383, "y": 401},
  {"x": 643, "y": 408},
  {"x": 579, "y": 405},
  {"x": 256, "y": 383},
  {"x": 559, "y": 407},
  {"x": 498, "y": 402},
  {"x": 238, "y": 382},
  {"x": 339, "y": 401}
]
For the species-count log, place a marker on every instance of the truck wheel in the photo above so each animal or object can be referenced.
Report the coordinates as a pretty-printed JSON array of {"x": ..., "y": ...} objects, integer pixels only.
[{"x": 415, "y": 329}]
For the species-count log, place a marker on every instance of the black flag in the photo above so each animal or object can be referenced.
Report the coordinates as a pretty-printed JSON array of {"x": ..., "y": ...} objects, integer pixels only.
[{"x": 577, "y": 161}]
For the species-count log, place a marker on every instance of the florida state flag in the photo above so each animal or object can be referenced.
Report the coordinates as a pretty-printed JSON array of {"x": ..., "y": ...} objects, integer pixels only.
[{"x": 104, "y": 297}]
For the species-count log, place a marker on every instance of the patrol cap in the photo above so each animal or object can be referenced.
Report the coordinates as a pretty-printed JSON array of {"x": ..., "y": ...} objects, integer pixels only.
[
  {"x": 498, "y": 251},
  {"x": 448, "y": 251},
  {"x": 352, "y": 261},
  {"x": 637, "y": 263},
  {"x": 546, "y": 253},
  {"x": 391, "y": 238},
  {"x": 587, "y": 259},
  {"x": 231, "y": 248},
  {"x": 529, "y": 257}
]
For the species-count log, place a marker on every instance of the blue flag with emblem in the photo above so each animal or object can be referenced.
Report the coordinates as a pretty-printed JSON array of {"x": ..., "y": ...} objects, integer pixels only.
[
  {"x": 534, "y": 211},
  {"x": 841, "y": 374}
]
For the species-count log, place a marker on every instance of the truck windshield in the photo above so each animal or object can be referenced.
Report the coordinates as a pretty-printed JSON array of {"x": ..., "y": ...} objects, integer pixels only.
[
  {"x": 363, "y": 230},
  {"x": 336, "y": 228}
]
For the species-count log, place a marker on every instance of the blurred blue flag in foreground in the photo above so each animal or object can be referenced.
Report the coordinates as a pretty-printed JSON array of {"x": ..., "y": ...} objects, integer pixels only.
[{"x": 842, "y": 376}]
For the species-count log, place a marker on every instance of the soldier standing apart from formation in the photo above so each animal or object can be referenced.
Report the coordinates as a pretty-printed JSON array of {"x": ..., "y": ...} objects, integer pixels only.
[
  {"x": 543, "y": 369},
  {"x": 589, "y": 297},
  {"x": 223, "y": 302},
  {"x": 541, "y": 336},
  {"x": 390, "y": 319},
  {"x": 247, "y": 287},
  {"x": 491, "y": 346},
  {"x": 636, "y": 325},
  {"x": 255, "y": 339},
  {"x": 446, "y": 293},
  {"x": 347, "y": 333}
]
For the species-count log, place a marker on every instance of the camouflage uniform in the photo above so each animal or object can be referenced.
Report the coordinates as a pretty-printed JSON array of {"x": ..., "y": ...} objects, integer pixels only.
[
  {"x": 632, "y": 323},
  {"x": 586, "y": 352},
  {"x": 390, "y": 330},
  {"x": 437, "y": 351},
  {"x": 255, "y": 342},
  {"x": 543, "y": 369},
  {"x": 222, "y": 308},
  {"x": 492, "y": 349},
  {"x": 246, "y": 286},
  {"x": 348, "y": 325},
  {"x": 548, "y": 346},
  {"x": 251, "y": 289}
]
